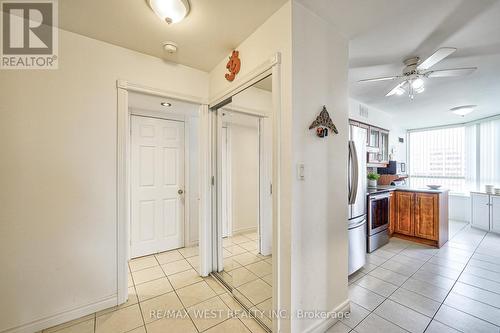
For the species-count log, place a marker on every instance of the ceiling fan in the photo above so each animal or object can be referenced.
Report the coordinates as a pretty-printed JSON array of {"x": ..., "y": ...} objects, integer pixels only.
[{"x": 415, "y": 71}]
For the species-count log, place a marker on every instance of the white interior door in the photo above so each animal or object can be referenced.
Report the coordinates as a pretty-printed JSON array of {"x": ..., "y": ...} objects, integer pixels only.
[{"x": 157, "y": 180}]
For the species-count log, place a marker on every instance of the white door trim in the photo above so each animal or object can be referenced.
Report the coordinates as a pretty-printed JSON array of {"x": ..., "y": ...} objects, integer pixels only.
[{"x": 123, "y": 179}]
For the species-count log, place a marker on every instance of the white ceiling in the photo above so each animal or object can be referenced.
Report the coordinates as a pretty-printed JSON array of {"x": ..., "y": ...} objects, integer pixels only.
[
  {"x": 210, "y": 31},
  {"x": 385, "y": 32}
]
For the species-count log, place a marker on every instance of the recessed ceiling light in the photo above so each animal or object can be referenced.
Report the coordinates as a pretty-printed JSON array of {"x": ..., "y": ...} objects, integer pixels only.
[
  {"x": 172, "y": 11},
  {"x": 463, "y": 110},
  {"x": 166, "y": 104}
]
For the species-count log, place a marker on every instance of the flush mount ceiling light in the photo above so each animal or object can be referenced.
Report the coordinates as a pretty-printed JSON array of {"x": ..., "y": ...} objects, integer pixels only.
[
  {"x": 172, "y": 11},
  {"x": 463, "y": 110},
  {"x": 166, "y": 104}
]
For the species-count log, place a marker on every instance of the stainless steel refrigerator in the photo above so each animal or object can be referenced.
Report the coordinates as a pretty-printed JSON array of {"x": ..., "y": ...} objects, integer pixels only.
[{"x": 357, "y": 198}]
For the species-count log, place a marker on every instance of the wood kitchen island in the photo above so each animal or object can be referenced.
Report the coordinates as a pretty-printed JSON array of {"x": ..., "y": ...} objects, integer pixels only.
[{"x": 419, "y": 215}]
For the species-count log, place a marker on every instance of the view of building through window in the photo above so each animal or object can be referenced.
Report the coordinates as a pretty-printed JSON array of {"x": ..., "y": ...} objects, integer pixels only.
[{"x": 449, "y": 156}]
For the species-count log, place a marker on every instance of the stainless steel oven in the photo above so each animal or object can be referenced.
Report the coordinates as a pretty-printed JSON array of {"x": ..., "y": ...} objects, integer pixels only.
[{"x": 378, "y": 221}]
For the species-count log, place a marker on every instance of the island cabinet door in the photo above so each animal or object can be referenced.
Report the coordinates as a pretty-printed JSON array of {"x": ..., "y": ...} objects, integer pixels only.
[
  {"x": 427, "y": 216},
  {"x": 404, "y": 213}
]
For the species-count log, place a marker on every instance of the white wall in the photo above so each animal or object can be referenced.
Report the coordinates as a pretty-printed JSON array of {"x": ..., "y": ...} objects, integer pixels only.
[
  {"x": 384, "y": 120},
  {"x": 271, "y": 37},
  {"x": 244, "y": 136},
  {"x": 58, "y": 132},
  {"x": 319, "y": 234}
]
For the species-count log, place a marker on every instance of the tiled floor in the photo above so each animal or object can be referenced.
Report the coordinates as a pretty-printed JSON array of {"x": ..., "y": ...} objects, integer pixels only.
[
  {"x": 407, "y": 287},
  {"x": 249, "y": 273},
  {"x": 162, "y": 282}
]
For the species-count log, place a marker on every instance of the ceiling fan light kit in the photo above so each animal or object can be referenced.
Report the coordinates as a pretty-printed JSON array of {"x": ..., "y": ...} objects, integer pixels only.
[{"x": 414, "y": 73}]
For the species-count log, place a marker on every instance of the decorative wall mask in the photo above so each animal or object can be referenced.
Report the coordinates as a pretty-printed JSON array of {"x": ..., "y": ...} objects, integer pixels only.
[
  {"x": 233, "y": 66},
  {"x": 323, "y": 123}
]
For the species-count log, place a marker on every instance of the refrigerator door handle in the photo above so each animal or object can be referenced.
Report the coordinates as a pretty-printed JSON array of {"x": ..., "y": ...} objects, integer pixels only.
[
  {"x": 355, "y": 173},
  {"x": 349, "y": 174}
]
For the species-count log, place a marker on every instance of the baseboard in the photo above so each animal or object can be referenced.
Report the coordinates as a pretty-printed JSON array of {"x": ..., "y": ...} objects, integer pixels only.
[
  {"x": 244, "y": 230},
  {"x": 64, "y": 317},
  {"x": 323, "y": 325}
]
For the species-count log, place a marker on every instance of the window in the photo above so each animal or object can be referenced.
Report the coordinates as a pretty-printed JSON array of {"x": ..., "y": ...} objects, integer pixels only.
[
  {"x": 460, "y": 158},
  {"x": 438, "y": 156}
]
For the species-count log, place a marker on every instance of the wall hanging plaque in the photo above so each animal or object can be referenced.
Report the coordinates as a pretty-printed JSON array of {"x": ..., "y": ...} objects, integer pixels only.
[
  {"x": 323, "y": 123},
  {"x": 233, "y": 66}
]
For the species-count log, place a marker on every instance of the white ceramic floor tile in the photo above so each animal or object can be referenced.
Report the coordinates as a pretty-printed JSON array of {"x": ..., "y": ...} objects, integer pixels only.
[
  {"x": 147, "y": 274},
  {"x": 256, "y": 291},
  {"x": 434, "y": 279},
  {"x": 232, "y": 325},
  {"x": 339, "y": 327},
  {"x": 195, "y": 293},
  {"x": 155, "y": 308},
  {"x": 402, "y": 316},
  {"x": 373, "y": 323},
  {"x": 477, "y": 294},
  {"x": 211, "y": 306},
  {"x": 183, "y": 279},
  {"x": 119, "y": 321},
  {"x": 398, "y": 267},
  {"x": 153, "y": 288},
  {"x": 437, "y": 327},
  {"x": 481, "y": 272},
  {"x": 480, "y": 282},
  {"x": 166, "y": 257},
  {"x": 172, "y": 325},
  {"x": 441, "y": 270},
  {"x": 417, "y": 302},
  {"x": 425, "y": 289},
  {"x": 176, "y": 267},
  {"x": 463, "y": 322},
  {"x": 376, "y": 285},
  {"x": 475, "y": 308},
  {"x": 142, "y": 263},
  {"x": 364, "y": 297},
  {"x": 389, "y": 276},
  {"x": 357, "y": 314}
]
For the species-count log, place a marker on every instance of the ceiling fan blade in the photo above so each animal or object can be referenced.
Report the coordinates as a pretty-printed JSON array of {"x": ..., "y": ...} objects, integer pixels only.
[
  {"x": 436, "y": 57},
  {"x": 395, "y": 89},
  {"x": 386, "y": 78},
  {"x": 451, "y": 72}
]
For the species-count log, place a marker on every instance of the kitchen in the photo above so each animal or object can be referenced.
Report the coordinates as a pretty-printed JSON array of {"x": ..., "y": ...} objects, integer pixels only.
[{"x": 424, "y": 184}]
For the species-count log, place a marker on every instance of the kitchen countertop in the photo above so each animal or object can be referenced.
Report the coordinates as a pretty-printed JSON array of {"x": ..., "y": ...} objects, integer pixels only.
[{"x": 386, "y": 188}]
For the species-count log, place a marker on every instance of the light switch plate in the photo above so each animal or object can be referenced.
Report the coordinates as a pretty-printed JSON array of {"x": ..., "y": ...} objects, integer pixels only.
[{"x": 301, "y": 171}]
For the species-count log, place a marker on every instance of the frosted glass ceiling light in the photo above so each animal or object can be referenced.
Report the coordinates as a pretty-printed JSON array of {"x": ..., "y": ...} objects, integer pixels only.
[
  {"x": 463, "y": 110},
  {"x": 172, "y": 11}
]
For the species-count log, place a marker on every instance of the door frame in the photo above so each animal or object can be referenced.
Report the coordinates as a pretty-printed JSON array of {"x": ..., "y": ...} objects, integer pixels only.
[
  {"x": 123, "y": 190},
  {"x": 228, "y": 177},
  {"x": 154, "y": 115},
  {"x": 281, "y": 296}
]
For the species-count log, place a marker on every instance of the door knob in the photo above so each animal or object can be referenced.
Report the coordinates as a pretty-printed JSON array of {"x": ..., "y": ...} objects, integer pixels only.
[{"x": 180, "y": 191}]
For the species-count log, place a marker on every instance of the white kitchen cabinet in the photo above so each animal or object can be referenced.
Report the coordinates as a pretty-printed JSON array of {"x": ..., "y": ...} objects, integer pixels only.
[
  {"x": 485, "y": 211},
  {"x": 480, "y": 211},
  {"x": 495, "y": 213}
]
